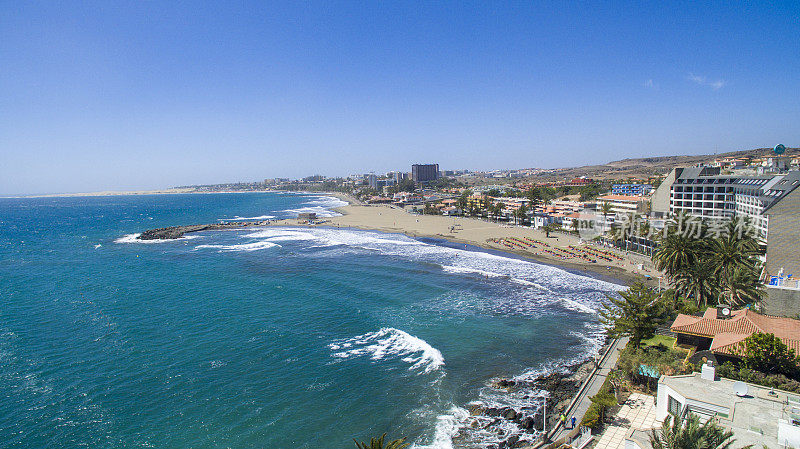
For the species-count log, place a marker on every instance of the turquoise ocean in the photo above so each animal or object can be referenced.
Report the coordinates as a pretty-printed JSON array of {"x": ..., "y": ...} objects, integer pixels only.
[{"x": 263, "y": 338}]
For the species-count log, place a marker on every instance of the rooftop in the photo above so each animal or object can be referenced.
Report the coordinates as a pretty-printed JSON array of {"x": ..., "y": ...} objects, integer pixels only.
[
  {"x": 753, "y": 418},
  {"x": 728, "y": 333}
]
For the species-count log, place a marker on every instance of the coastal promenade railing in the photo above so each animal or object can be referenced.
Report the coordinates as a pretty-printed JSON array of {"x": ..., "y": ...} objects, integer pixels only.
[{"x": 546, "y": 442}]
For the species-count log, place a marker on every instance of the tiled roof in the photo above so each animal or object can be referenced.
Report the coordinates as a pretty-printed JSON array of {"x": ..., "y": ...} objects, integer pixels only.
[{"x": 728, "y": 333}]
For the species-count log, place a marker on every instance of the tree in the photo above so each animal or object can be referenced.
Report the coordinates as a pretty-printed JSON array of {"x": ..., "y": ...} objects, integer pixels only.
[
  {"x": 604, "y": 400},
  {"x": 487, "y": 206},
  {"x": 548, "y": 228},
  {"x": 462, "y": 202},
  {"x": 742, "y": 287},
  {"x": 634, "y": 313},
  {"x": 377, "y": 443},
  {"x": 535, "y": 197},
  {"x": 605, "y": 209},
  {"x": 768, "y": 354},
  {"x": 498, "y": 209},
  {"x": 736, "y": 265},
  {"x": 576, "y": 225},
  {"x": 676, "y": 251},
  {"x": 677, "y": 433},
  {"x": 699, "y": 282},
  {"x": 522, "y": 213},
  {"x": 406, "y": 185}
]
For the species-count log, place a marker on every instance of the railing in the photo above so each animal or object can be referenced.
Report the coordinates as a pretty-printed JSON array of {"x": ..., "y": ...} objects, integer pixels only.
[
  {"x": 784, "y": 282},
  {"x": 546, "y": 441}
]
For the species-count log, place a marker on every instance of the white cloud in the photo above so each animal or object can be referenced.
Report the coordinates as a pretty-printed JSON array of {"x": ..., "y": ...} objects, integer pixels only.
[
  {"x": 650, "y": 84},
  {"x": 703, "y": 81}
]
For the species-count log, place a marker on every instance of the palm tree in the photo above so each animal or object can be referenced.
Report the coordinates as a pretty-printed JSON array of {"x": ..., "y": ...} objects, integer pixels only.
[
  {"x": 522, "y": 213},
  {"x": 698, "y": 281},
  {"x": 605, "y": 209},
  {"x": 676, "y": 252},
  {"x": 689, "y": 434},
  {"x": 377, "y": 443},
  {"x": 462, "y": 203},
  {"x": 742, "y": 287},
  {"x": 732, "y": 252},
  {"x": 498, "y": 209},
  {"x": 487, "y": 205}
]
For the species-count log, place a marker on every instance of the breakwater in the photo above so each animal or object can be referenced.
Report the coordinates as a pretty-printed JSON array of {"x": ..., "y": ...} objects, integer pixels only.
[{"x": 176, "y": 232}]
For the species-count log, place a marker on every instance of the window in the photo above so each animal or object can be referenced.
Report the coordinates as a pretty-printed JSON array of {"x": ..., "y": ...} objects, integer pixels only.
[{"x": 673, "y": 406}]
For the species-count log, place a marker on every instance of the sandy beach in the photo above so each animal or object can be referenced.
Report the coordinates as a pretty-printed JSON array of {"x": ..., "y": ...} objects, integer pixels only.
[{"x": 555, "y": 250}]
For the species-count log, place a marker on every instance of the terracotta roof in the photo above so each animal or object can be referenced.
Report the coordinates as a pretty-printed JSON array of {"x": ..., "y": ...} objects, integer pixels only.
[{"x": 728, "y": 333}]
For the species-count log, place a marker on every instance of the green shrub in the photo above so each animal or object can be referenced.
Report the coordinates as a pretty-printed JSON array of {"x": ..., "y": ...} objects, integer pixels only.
[
  {"x": 668, "y": 361},
  {"x": 591, "y": 418}
]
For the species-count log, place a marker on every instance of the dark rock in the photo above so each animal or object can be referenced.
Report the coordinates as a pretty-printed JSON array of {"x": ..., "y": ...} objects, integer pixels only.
[
  {"x": 512, "y": 441},
  {"x": 176, "y": 232},
  {"x": 504, "y": 383},
  {"x": 509, "y": 413}
]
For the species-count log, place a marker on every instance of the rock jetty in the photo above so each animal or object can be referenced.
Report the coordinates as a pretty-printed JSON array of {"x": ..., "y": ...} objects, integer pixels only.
[{"x": 176, "y": 232}]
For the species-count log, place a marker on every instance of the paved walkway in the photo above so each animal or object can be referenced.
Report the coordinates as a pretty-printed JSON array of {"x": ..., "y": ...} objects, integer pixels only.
[
  {"x": 582, "y": 404},
  {"x": 638, "y": 412}
]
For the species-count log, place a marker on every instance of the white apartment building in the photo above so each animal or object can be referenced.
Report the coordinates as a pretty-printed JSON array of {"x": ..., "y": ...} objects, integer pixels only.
[
  {"x": 702, "y": 191},
  {"x": 622, "y": 205}
]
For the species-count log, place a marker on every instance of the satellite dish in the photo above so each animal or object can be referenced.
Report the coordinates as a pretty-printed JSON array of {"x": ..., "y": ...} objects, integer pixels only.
[
  {"x": 779, "y": 149},
  {"x": 726, "y": 311},
  {"x": 740, "y": 388}
]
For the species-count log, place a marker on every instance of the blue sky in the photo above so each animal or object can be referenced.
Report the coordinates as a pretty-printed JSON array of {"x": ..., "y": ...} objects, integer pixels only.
[{"x": 135, "y": 95}]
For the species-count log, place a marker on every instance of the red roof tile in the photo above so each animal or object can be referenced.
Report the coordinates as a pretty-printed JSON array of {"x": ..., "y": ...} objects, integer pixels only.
[{"x": 727, "y": 334}]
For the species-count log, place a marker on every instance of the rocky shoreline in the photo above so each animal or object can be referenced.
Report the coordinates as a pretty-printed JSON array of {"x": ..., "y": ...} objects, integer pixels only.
[
  {"x": 561, "y": 388},
  {"x": 176, "y": 232}
]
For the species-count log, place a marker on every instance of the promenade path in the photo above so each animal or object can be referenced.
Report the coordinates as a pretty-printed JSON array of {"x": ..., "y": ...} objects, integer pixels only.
[{"x": 581, "y": 404}]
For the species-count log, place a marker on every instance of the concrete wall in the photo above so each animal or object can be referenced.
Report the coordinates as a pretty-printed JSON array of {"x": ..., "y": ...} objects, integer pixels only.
[
  {"x": 781, "y": 302},
  {"x": 783, "y": 245},
  {"x": 659, "y": 202}
]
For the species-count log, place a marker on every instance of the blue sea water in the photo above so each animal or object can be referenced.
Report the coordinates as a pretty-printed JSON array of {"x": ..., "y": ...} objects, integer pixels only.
[{"x": 262, "y": 338}]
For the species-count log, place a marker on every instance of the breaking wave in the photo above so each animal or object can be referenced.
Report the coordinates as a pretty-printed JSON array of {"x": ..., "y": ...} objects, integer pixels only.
[
  {"x": 447, "y": 426},
  {"x": 238, "y": 218},
  {"x": 255, "y": 246},
  {"x": 391, "y": 343},
  {"x": 321, "y": 206}
]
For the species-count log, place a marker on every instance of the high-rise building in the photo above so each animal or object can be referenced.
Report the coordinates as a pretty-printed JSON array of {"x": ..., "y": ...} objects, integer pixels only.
[
  {"x": 424, "y": 172},
  {"x": 704, "y": 192}
]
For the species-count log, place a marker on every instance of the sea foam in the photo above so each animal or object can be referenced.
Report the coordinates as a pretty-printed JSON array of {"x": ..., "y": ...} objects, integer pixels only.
[
  {"x": 255, "y": 246},
  {"x": 389, "y": 343},
  {"x": 238, "y": 218}
]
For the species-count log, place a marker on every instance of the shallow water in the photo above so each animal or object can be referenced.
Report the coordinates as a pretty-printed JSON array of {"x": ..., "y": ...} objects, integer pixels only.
[{"x": 278, "y": 337}]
